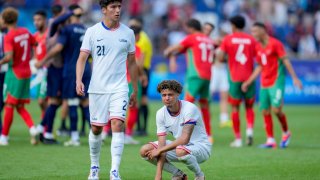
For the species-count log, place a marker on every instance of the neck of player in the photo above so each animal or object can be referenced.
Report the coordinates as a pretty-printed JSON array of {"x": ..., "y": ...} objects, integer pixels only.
[
  {"x": 175, "y": 108},
  {"x": 110, "y": 24}
]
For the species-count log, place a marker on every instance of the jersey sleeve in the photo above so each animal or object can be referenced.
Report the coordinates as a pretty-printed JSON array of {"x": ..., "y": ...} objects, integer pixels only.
[
  {"x": 186, "y": 43},
  {"x": 62, "y": 38},
  {"x": 132, "y": 43},
  {"x": 192, "y": 116},
  {"x": 223, "y": 45},
  {"x": 161, "y": 130},
  {"x": 86, "y": 42},
  {"x": 280, "y": 50},
  {"x": 8, "y": 43}
]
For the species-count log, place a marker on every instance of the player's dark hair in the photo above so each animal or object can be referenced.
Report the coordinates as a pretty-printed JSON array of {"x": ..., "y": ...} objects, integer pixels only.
[
  {"x": 73, "y": 7},
  {"x": 136, "y": 29},
  {"x": 56, "y": 9},
  {"x": 210, "y": 24},
  {"x": 105, "y": 3},
  {"x": 238, "y": 21},
  {"x": 138, "y": 19},
  {"x": 171, "y": 85},
  {"x": 42, "y": 13},
  {"x": 260, "y": 25},
  {"x": 193, "y": 23},
  {"x": 10, "y": 15}
]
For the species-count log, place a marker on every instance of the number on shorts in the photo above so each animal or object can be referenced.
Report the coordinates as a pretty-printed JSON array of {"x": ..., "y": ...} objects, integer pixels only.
[
  {"x": 240, "y": 56},
  {"x": 125, "y": 103}
]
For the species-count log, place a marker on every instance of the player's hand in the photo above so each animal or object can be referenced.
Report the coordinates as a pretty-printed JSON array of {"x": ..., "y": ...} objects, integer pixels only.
[
  {"x": 244, "y": 86},
  {"x": 173, "y": 64},
  {"x": 80, "y": 88},
  {"x": 133, "y": 99},
  {"x": 297, "y": 83},
  {"x": 38, "y": 65},
  {"x": 153, "y": 153}
]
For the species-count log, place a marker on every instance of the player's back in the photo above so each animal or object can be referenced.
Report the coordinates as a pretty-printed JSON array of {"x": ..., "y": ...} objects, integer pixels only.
[
  {"x": 20, "y": 42},
  {"x": 240, "y": 49}
]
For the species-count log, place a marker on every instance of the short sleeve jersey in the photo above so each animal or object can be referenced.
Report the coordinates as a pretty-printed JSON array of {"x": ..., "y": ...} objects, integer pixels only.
[
  {"x": 109, "y": 50},
  {"x": 138, "y": 56},
  {"x": 240, "y": 49},
  {"x": 19, "y": 41},
  {"x": 189, "y": 114},
  {"x": 199, "y": 50},
  {"x": 41, "y": 49},
  {"x": 270, "y": 58},
  {"x": 71, "y": 37}
]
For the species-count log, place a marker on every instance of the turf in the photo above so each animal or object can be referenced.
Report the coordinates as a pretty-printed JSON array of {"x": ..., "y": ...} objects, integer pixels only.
[{"x": 301, "y": 160}]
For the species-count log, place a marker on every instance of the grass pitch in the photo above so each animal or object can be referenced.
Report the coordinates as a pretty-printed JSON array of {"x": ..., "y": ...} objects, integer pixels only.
[{"x": 301, "y": 160}]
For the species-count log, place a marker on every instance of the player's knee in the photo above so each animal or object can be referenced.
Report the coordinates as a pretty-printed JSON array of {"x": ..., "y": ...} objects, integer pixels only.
[
  {"x": 181, "y": 152},
  {"x": 266, "y": 112},
  {"x": 277, "y": 111},
  {"x": 144, "y": 149},
  {"x": 204, "y": 103},
  {"x": 117, "y": 125},
  {"x": 96, "y": 130}
]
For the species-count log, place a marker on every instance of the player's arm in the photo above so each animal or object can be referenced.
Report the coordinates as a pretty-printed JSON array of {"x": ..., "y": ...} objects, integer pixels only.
[
  {"x": 173, "y": 50},
  {"x": 220, "y": 55},
  {"x": 292, "y": 73},
  {"x": 134, "y": 72},
  {"x": 252, "y": 77},
  {"x": 81, "y": 63},
  {"x": 54, "y": 51},
  {"x": 161, "y": 158},
  {"x": 7, "y": 58}
]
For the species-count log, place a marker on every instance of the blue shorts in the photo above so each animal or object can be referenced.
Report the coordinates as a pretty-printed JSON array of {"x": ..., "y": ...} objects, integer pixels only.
[
  {"x": 69, "y": 87},
  {"x": 55, "y": 82}
]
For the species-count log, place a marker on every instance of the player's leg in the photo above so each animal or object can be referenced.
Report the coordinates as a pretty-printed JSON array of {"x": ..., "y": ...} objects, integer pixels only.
[
  {"x": 84, "y": 105},
  {"x": 73, "y": 104},
  {"x": 133, "y": 115},
  {"x": 2, "y": 75},
  {"x": 50, "y": 114},
  {"x": 223, "y": 89},
  {"x": 234, "y": 100},
  {"x": 7, "y": 122},
  {"x": 168, "y": 167},
  {"x": 144, "y": 109},
  {"x": 64, "y": 130},
  {"x": 204, "y": 105},
  {"x": 250, "y": 116},
  {"x": 29, "y": 122}
]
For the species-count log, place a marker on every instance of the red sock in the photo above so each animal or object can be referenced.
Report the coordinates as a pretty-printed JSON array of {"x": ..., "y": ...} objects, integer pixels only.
[
  {"x": 107, "y": 127},
  {"x": 268, "y": 125},
  {"x": 132, "y": 119},
  {"x": 25, "y": 116},
  {"x": 204, "y": 104},
  {"x": 283, "y": 122},
  {"x": 236, "y": 124},
  {"x": 250, "y": 117},
  {"x": 7, "y": 120}
]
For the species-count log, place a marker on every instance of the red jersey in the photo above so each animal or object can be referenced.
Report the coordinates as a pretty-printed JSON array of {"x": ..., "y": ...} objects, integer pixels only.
[
  {"x": 240, "y": 48},
  {"x": 138, "y": 56},
  {"x": 270, "y": 58},
  {"x": 41, "y": 49},
  {"x": 199, "y": 50},
  {"x": 19, "y": 41}
]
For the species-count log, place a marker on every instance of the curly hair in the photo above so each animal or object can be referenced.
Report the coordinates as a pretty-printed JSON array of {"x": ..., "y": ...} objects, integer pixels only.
[
  {"x": 10, "y": 15},
  {"x": 171, "y": 85}
]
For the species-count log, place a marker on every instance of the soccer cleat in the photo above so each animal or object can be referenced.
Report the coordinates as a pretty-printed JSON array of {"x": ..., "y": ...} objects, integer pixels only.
[
  {"x": 94, "y": 173},
  {"x": 199, "y": 178},
  {"x": 180, "y": 177},
  {"x": 249, "y": 141},
  {"x": 225, "y": 124},
  {"x": 268, "y": 145},
  {"x": 3, "y": 141},
  {"x": 130, "y": 140},
  {"x": 114, "y": 175},
  {"x": 285, "y": 140},
  {"x": 236, "y": 143},
  {"x": 49, "y": 141},
  {"x": 72, "y": 143}
]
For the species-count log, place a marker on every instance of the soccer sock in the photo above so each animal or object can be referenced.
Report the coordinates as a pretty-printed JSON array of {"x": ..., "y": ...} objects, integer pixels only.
[
  {"x": 63, "y": 124},
  {"x": 85, "y": 115},
  {"x": 49, "y": 117},
  {"x": 117, "y": 144},
  {"x": 145, "y": 113},
  {"x": 7, "y": 120},
  {"x": 236, "y": 124},
  {"x": 25, "y": 116},
  {"x": 170, "y": 168},
  {"x": 192, "y": 164},
  {"x": 268, "y": 124},
  {"x": 132, "y": 119},
  {"x": 204, "y": 104},
  {"x": 73, "y": 114},
  {"x": 95, "y": 146},
  {"x": 283, "y": 121},
  {"x": 250, "y": 118}
]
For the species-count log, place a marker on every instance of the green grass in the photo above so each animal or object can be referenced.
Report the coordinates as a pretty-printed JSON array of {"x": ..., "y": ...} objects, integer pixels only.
[{"x": 301, "y": 160}]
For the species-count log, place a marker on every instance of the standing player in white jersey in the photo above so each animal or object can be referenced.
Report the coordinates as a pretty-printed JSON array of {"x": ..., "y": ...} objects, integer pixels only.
[
  {"x": 184, "y": 121},
  {"x": 110, "y": 44}
]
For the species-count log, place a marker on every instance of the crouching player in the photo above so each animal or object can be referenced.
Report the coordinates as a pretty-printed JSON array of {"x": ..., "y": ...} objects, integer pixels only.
[
  {"x": 184, "y": 121},
  {"x": 272, "y": 61}
]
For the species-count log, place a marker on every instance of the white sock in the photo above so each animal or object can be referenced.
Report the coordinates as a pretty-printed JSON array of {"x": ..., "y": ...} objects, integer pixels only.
[
  {"x": 75, "y": 136},
  {"x": 249, "y": 132},
  {"x": 192, "y": 164},
  {"x": 40, "y": 129},
  {"x": 270, "y": 140},
  {"x": 117, "y": 144},
  {"x": 33, "y": 131},
  {"x": 94, "y": 146},
  {"x": 48, "y": 135},
  {"x": 4, "y": 138},
  {"x": 224, "y": 117},
  {"x": 170, "y": 168}
]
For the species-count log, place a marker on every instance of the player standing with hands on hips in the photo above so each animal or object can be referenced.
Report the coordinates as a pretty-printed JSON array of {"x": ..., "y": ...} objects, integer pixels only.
[{"x": 110, "y": 43}]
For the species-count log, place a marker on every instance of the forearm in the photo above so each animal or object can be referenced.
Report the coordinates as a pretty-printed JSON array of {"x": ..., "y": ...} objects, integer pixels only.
[
  {"x": 53, "y": 52},
  {"x": 7, "y": 58},
  {"x": 161, "y": 159},
  {"x": 81, "y": 63},
  {"x": 58, "y": 21},
  {"x": 173, "y": 145},
  {"x": 289, "y": 68},
  {"x": 134, "y": 74},
  {"x": 254, "y": 75},
  {"x": 220, "y": 56}
]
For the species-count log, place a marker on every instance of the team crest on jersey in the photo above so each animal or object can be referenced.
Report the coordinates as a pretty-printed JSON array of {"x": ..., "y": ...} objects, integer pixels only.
[{"x": 123, "y": 40}]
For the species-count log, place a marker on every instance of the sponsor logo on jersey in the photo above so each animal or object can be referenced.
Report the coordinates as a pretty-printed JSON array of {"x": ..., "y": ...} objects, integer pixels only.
[{"x": 123, "y": 40}]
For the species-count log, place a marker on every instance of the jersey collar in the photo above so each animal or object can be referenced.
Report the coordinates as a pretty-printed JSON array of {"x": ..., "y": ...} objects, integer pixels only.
[
  {"x": 177, "y": 114},
  {"x": 109, "y": 29}
]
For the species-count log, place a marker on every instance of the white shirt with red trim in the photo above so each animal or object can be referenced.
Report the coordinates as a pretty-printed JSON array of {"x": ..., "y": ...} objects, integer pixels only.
[
  {"x": 188, "y": 114},
  {"x": 109, "y": 49}
]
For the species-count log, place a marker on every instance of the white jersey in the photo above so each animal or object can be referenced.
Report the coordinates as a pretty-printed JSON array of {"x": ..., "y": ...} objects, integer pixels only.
[
  {"x": 109, "y": 50},
  {"x": 189, "y": 114}
]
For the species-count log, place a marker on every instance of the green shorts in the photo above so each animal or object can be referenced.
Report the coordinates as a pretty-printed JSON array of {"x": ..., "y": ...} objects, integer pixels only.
[
  {"x": 196, "y": 87},
  {"x": 236, "y": 94},
  {"x": 139, "y": 95},
  {"x": 272, "y": 96},
  {"x": 16, "y": 91},
  {"x": 40, "y": 84}
]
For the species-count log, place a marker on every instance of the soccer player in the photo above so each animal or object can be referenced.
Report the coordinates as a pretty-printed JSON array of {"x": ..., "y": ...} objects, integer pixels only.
[
  {"x": 144, "y": 43},
  {"x": 240, "y": 52},
  {"x": 199, "y": 51},
  {"x": 110, "y": 44},
  {"x": 183, "y": 120},
  {"x": 40, "y": 81},
  {"x": 3, "y": 68},
  {"x": 17, "y": 47},
  {"x": 272, "y": 62},
  {"x": 219, "y": 82},
  {"x": 68, "y": 44}
]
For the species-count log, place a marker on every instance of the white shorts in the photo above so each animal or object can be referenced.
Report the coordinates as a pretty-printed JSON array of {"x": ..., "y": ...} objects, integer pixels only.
[
  {"x": 104, "y": 107},
  {"x": 201, "y": 151},
  {"x": 219, "y": 78}
]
